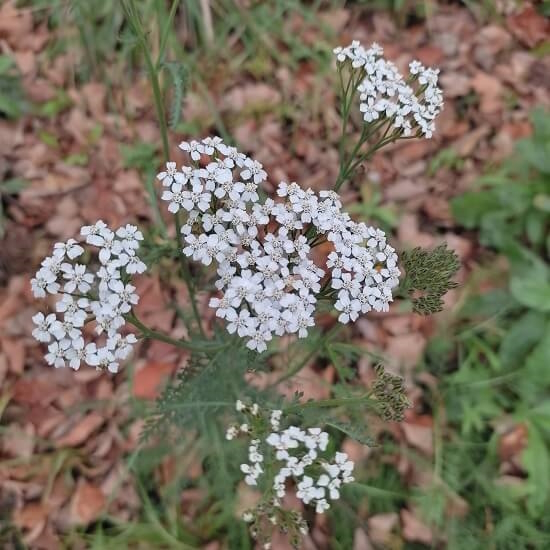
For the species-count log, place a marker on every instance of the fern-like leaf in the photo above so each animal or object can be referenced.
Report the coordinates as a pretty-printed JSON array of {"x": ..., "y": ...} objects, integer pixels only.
[{"x": 178, "y": 74}]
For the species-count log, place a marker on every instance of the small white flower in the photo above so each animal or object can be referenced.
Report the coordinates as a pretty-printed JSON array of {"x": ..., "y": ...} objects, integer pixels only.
[
  {"x": 78, "y": 351},
  {"x": 43, "y": 330},
  {"x": 321, "y": 506},
  {"x": 105, "y": 359},
  {"x": 77, "y": 278},
  {"x": 253, "y": 169},
  {"x": 93, "y": 232},
  {"x": 71, "y": 249},
  {"x": 168, "y": 176},
  {"x": 193, "y": 148},
  {"x": 44, "y": 282},
  {"x": 123, "y": 296},
  {"x": 240, "y": 406},
  {"x": 57, "y": 353}
]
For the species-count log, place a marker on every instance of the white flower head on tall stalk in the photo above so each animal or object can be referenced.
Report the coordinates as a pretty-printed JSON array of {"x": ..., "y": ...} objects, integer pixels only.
[
  {"x": 292, "y": 454},
  {"x": 410, "y": 106},
  {"x": 101, "y": 294},
  {"x": 269, "y": 283}
]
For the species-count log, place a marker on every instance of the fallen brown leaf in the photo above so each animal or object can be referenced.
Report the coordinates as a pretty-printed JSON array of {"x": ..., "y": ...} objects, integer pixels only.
[
  {"x": 15, "y": 352},
  {"x": 80, "y": 432},
  {"x": 529, "y": 26},
  {"x": 419, "y": 436},
  {"x": 405, "y": 350},
  {"x": 414, "y": 529},
  {"x": 149, "y": 379},
  {"x": 52, "y": 185},
  {"x": 381, "y": 526},
  {"x": 30, "y": 515},
  {"x": 86, "y": 504},
  {"x": 19, "y": 441},
  {"x": 489, "y": 90},
  {"x": 513, "y": 442}
]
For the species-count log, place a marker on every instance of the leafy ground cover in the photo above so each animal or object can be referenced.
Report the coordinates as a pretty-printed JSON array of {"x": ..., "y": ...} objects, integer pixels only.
[{"x": 469, "y": 466}]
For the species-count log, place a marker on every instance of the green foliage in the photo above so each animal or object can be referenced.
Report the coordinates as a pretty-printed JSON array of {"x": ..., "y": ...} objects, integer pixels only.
[
  {"x": 404, "y": 10},
  {"x": 12, "y": 103},
  {"x": 428, "y": 276},
  {"x": 179, "y": 75},
  {"x": 371, "y": 209},
  {"x": 8, "y": 188},
  {"x": 492, "y": 364},
  {"x": 510, "y": 207},
  {"x": 446, "y": 158},
  {"x": 53, "y": 107},
  {"x": 141, "y": 156},
  {"x": 204, "y": 386}
]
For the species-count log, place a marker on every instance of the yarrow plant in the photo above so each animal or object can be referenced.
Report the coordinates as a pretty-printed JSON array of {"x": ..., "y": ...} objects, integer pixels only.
[
  {"x": 101, "y": 295},
  {"x": 269, "y": 284},
  {"x": 283, "y": 456},
  {"x": 385, "y": 95},
  {"x": 270, "y": 276}
]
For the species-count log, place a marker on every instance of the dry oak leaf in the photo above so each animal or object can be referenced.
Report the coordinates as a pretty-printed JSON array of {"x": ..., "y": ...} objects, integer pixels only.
[
  {"x": 489, "y": 90},
  {"x": 30, "y": 515},
  {"x": 419, "y": 436},
  {"x": 361, "y": 540},
  {"x": 81, "y": 430},
  {"x": 513, "y": 442},
  {"x": 36, "y": 390},
  {"x": 250, "y": 96},
  {"x": 380, "y": 527},
  {"x": 529, "y": 26},
  {"x": 405, "y": 350},
  {"x": 413, "y": 529},
  {"x": 15, "y": 24},
  {"x": 148, "y": 381},
  {"x": 87, "y": 503},
  {"x": 51, "y": 185}
]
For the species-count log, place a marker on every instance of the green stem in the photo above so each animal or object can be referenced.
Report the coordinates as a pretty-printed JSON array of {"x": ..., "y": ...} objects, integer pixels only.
[
  {"x": 295, "y": 369},
  {"x": 301, "y": 364},
  {"x": 148, "y": 332},
  {"x": 335, "y": 402},
  {"x": 187, "y": 276},
  {"x": 166, "y": 34},
  {"x": 133, "y": 17},
  {"x": 153, "y": 71},
  {"x": 348, "y": 169}
]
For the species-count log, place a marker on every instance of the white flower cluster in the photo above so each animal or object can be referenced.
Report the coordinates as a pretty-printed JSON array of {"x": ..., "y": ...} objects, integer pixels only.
[
  {"x": 385, "y": 93},
  {"x": 104, "y": 295},
  {"x": 269, "y": 285},
  {"x": 297, "y": 454}
]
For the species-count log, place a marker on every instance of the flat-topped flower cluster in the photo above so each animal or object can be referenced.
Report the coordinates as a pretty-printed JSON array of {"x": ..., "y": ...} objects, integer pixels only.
[
  {"x": 269, "y": 285},
  {"x": 294, "y": 454},
  {"x": 384, "y": 93},
  {"x": 103, "y": 295}
]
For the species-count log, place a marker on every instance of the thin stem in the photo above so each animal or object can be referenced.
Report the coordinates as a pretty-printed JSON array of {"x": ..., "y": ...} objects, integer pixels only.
[
  {"x": 187, "y": 276},
  {"x": 335, "y": 402},
  {"x": 301, "y": 364},
  {"x": 148, "y": 332},
  {"x": 166, "y": 34},
  {"x": 133, "y": 17},
  {"x": 347, "y": 170},
  {"x": 295, "y": 369},
  {"x": 153, "y": 71}
]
